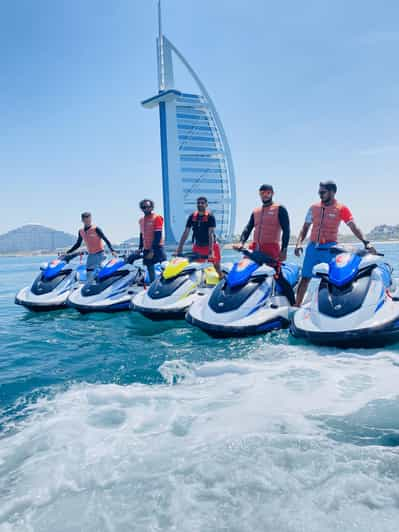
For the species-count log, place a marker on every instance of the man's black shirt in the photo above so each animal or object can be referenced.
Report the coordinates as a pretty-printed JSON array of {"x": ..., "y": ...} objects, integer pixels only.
[{"x": 201, "y": 227}]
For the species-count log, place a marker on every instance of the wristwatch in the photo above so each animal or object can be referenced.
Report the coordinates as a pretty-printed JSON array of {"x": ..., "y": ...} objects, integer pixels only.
[{"x": 366, "y": 244}]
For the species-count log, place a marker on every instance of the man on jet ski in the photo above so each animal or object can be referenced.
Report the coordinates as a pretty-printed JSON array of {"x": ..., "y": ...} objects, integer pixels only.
[
  {"x": 270, "y": 223},
  {"x": 203, "y": 224},
  {"x": 325, "y": 218},
  {"x": 93, "y": 238},
  {"x": 151, "y": 243}
]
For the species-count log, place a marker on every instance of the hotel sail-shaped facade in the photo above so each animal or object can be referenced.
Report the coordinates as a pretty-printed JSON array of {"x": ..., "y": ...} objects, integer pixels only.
[{"x": 195, "y": 154}]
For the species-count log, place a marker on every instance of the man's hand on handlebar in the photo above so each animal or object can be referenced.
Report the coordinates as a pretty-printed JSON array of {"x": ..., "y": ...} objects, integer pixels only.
[
  {"x": 371, "y": 249},
  {"x": 283, "y": 255},
  {"x": 178, "y": 252}
]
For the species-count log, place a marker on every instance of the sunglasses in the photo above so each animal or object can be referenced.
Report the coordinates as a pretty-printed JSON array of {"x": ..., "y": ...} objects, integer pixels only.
[
  {"x": 322, "y": 192},
  {"x": 145, "y": 207}
]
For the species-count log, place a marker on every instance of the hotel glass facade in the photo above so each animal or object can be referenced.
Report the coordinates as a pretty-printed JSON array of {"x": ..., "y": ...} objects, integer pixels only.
[{"x": 196, "y": 159}]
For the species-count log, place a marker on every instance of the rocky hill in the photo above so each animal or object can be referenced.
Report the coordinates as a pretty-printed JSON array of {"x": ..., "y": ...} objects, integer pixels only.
[
  {"x": 34, "y": 237},
  {"x": 384, "y": 232}
]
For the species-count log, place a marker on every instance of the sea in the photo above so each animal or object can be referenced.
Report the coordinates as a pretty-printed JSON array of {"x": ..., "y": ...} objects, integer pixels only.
[{"x": 114, "y": 423}]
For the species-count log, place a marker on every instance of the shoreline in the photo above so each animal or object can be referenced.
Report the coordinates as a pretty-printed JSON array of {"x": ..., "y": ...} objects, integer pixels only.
[
  {"x": 228, "y": 246},
  {"x": 376, "y": 242}
]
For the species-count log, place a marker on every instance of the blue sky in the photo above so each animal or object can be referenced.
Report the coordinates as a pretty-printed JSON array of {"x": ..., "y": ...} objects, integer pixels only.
[{"x": 306, "y": 91}]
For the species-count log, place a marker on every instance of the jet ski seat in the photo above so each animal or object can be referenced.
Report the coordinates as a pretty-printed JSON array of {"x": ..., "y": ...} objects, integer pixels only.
[
  {"x": 291, "y": 273},
  {"x": 287, "y": 279}
]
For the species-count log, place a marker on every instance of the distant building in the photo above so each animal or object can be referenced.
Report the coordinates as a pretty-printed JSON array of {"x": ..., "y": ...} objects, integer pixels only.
[
  {"x": 384, "y": 232},
  {"x": 195, "y": 153}
]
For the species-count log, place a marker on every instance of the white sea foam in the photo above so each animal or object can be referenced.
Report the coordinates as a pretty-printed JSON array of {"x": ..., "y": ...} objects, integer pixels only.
[{"x": 257, "y": 445}]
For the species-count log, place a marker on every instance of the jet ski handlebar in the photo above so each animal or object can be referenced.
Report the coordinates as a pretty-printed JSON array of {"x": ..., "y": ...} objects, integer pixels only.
[
  {"x": 192, "y": 257},
  {"x": 67, "y": 257},
  {"x": 259, "y": 257},
  {"x": 136, "y": 255},
  {"x": 337, "y": 250}
]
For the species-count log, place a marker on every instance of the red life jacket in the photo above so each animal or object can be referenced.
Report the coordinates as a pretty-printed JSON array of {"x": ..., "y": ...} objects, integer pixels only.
[
  {"x": 93, "y": 242},
  {"x": 325, "y": 222},
  {"x": 267, "y": 225},
  {"x": 148, "y": 225},
  {"x": 204, "y": 218}
]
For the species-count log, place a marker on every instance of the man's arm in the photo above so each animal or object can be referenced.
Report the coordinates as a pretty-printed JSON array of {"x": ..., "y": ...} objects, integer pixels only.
[
  {"x": 301, "y": 237},
  {"x": 76, "y": 245},
  {"x": 141, "y": 242},
  {"x": 156, "y": 242},
  {"x": 157, "y": 239},
  {"x": 211, "y": 234},
  {"x": 183, "y": 239},
  {"x": 358, "y": 234},
  {"x": 101, "y": 235},
  {"x": 303, "y": 232},
  {"x": 247, "y": 230},
  {"x": 184, "y": 236},
  {"x": 158, "y": 226},
  {"x": 347, "y": 217},
  {"x": 284, "y": 220}
]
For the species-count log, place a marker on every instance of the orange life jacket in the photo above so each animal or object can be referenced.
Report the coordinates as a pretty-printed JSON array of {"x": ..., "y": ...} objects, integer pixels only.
[
  {"x": 148, "y": 225},
  {"x": 267, "y": 225},
  {"x": 325, "y": 222},
  {"x": 204, "y": 218},
  {"x": 93, "y": 242}
]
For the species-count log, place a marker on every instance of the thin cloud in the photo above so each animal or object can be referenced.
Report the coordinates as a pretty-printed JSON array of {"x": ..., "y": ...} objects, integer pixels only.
[
  {"x": 380, "y": 37},
  {"x": 375, "y": 150}
]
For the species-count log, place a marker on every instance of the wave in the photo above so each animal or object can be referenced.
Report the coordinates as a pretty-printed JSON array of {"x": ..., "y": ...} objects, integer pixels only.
[{"x": 264, "y": 443}]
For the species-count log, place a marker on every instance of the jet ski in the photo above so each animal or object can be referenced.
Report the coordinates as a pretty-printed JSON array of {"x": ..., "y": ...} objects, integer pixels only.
[
  {"x": 250, "y": 300},
  {"x": 354, "y": 305},
  {"x": 113, "y": 286},
  {"x": 182, "y": 282},
  {"x": 55, "y": 282}
]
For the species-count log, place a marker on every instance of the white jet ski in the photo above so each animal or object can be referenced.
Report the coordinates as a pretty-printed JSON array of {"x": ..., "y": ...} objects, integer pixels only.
[
  {"x": 112, "y": 288},
  {"x": 181, "y": 284},
  {"x": 249, "y": 300},
  {"x": 354, "y": 305},
  {"x": 55, "y": 282}
]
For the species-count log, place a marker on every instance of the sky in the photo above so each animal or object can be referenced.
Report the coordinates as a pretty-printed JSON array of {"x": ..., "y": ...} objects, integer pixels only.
[{"x": 306, "y": 91}]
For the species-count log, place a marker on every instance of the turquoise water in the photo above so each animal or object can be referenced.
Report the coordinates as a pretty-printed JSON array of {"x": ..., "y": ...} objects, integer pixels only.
[{"x": 117, "y": 423}]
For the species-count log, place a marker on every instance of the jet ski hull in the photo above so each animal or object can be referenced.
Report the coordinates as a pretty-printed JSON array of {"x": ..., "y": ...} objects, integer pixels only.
[
  {"x": 378, "y": 336},
  {"x": 354, "y": 304},
  {"x": 229, "y": 331},
  {"x": 111, "y": 291},
  {"x": 41, "y": 303},
  {"x": 170, "y": 297},
  {"x": 248, "y": 302},
  {"x": 155, "y": 312},
  {"x": 160, "y": 314},
  {"x": 111, "y": 307},
  {"x": 50, "y": 290},
  {"x": 103, "y": 302},
  {"x": 38, "y": 306}
]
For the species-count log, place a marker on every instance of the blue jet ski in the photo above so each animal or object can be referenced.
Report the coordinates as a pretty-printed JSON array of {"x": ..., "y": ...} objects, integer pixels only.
[
  {"x": 254, "y": 298},
  {"x": 114, "y": 285},
  {"x": 57, "y": 280},
  {"x": 354, "y": 305}
]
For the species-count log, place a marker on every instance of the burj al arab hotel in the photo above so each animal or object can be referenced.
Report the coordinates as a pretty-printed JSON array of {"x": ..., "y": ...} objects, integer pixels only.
[{"x": 195, "y": 154}]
